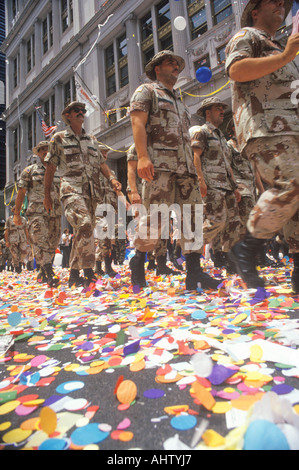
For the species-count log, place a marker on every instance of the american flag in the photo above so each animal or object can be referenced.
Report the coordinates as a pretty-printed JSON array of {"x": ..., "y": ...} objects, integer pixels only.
[
  {"x": 295, "y": 12},
  {"x": 46, "y": 130}
]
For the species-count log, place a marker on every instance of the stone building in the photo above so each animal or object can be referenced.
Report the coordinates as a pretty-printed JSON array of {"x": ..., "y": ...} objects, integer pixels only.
[{"x": 108, "y": 43}]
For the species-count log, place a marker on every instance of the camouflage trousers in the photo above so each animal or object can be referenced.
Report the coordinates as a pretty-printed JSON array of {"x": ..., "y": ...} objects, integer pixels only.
[
  {"x": 80, "y": 214},
  {"x": 103, "y": 248},
  {"x": 277, "y": 160},
  {"x": 170, "y": 191},
  {"x": 19, "y": 253},
  {"x": 221, "y": 218},
  {"x": 44, "y": 233}
]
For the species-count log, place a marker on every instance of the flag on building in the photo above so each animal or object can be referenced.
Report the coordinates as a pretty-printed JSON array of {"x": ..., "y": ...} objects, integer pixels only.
[
  {"x": 295, "y": 12},
  {"x": 48, "y": 131},
  {"x": 85, "y": 96}
]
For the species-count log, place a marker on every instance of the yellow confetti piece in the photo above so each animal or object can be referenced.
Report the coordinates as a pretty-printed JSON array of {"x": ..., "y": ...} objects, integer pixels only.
[
  {"x": 221, "y": 407},
  {"x": 34, "y": 402},
  {"x": 16, "y": 435},
  {"x": 256, "y": 353},
  {"x": 4, "y": 426},
  {"x": 212, "y": 439},
  {"x": 239, "y": 318},
  {"x": 48, "y": 420},
  {"x": 9, "y": 406}
]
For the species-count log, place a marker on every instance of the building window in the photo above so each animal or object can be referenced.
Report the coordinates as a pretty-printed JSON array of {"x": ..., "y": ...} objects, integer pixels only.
[
  {"x": 32, "y": 130},
  {"x": 146, "y": 24},
  {"x": 16, "y": 71},
  {"x": 147, "y": 44},
  {"x": 147, "y": 55},
  {"x": 198, "y": 20},
  {"x": 67, "y": 14},
  {"x": 15, "y": 8},
  {"x": 123, "y": 61},
  {"x": 221, "y": 54},
  {"x": 163, "y": 13},
  {"x": 110, "y": 70},
  {"x": 202, "y": 62},
  {"x": 69, "y": 92},
  {"x": 221, "y": 9},
  {"x": 16, "y": 144},
  {"x": 31, "y": 53},
  {"x": 49, "y": 110},
  {"x": 48, "y": 32}
]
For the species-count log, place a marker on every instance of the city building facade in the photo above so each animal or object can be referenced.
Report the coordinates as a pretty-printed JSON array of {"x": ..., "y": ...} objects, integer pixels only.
[{"x": 49, "y": 45}]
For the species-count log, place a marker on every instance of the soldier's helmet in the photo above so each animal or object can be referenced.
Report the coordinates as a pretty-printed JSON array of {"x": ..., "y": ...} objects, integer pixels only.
[
  {"x": 207, "y": 103},
  {"x": 246, "y": 19},
  {"x": 158, "y": 58},
  {"x": 69, "y": 107},
  {"x": 43, "y": 143}
]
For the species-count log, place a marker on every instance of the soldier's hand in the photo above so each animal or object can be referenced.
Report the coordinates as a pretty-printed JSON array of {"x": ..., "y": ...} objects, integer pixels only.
[
  {"x": 292, "y": 47},
  {"x": 145, "y": 168},
  {"x": 48, "y": 203},
  {"x": 116, "y": 185},
  {"x": 203, "y": 188},
  {"x": 237, "y": 195},
  {"x": 17, "y": 219},
  {"x": 135, "y": 198}
]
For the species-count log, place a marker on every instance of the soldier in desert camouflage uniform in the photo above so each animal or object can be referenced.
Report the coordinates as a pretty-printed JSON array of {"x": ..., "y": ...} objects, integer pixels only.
[
  {"x": 262, "y": 75},
  {"x": 160, "y": 123},
  {"x": 80, "y": 161},
  {"x": 44, "y": 228},
  {"x": 212, "y": 157},
  {"x": 135, "y": 196},
  {"x": 17, "y": 240}
]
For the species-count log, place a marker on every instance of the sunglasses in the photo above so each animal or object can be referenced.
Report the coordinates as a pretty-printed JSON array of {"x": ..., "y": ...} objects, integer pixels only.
[{"x": 77, "y": 110}]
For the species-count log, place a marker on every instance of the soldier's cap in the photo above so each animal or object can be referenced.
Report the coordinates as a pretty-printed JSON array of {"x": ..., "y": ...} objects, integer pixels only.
[
  {"x": 157, "y": 60},
  {"x": 69, "y": 107},
  {"x": 207, "y": 103},
  {"x": 43, "y": 143},
  {"x": 246, "y": 19}
]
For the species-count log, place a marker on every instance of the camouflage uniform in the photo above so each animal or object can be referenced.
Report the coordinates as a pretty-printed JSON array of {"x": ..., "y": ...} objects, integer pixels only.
[
  {"x": 244, "y": 176},
  {"x": 79, "y": 160},
  {"x": 44, "y": 228},
  {"x": 221, "y": 213},
  {"x": 267, "y": 127},
  {"x": 175, "y": 179},
  {"x": 5, "y": 256},
  {"x": 17, "y": 239}
]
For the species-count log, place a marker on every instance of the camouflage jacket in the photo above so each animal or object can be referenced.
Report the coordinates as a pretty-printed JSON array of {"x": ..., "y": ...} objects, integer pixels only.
[
  {"x": 168, "y": 141},
  {"x": 32, "y": 179},
  {"x": 79, "y": 160},
  {"x": 16, "y": 233},
  {"x": 242, "y": 170},
  {"x": 215, "y": 156},
  {"x": 262, "y": 107}
]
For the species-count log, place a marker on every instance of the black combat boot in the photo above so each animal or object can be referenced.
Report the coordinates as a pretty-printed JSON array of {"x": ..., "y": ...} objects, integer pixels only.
[
  {"x": 108, "y": 268},
  {"x": 52, "y": 279},
  {"x": 75, "y": 279},
  {"x": 151, "y": 265},
  {"x": 219, "y": 259},
  {"x": 295, "y": 275},
  {"x": 175, "y": 256},
  {"x": 196, "y": 275},
  {"x": 89, "y": 277},
  {"x": 244, "y": 254},
  {"x": 41, "y": 275},
  {"x": 162, "y": 267},
  {"x": 99, "y": 270},
  {"x": 137, "y": 269}
]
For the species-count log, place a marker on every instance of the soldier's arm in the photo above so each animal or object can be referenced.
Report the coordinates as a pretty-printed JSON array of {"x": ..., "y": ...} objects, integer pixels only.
[
  {"x": 253, "y": 68},
  {"x": 145, "y": 166},
  {"x": 49, "y": 175},
  {"x": 116, "y": 185},
  {"x": 18, "y": 205},
  {"x": 132, "y": 170},
  {"x": 197, "y": 152}
]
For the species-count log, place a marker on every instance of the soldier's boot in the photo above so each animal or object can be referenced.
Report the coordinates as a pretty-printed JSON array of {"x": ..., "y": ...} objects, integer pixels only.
[
  {"x": 195, "y": 274},
  {"x": 108, "y": 268},
  {"x": 41, "y": 276},
  {"x": 151, "y": 265},
  {"x": 137, "y": 269},
  {"x": 18, "y": 269},
  {"x": 99, "y": 270},
  {"x": 175, "y": 257},
  {"x": 244, "y": 255},
  {"x": 162, "y": 267},
  {"x": 295, "y": 274},
  {"x": 89, "y": 277},
  {"x": 29, "y": 266},
  {"x": 219, "y": 259},
  {"x": 229, "y": 265},
  {"x": 75, "y": 279},
  {"x": 52, "y": 279}
]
